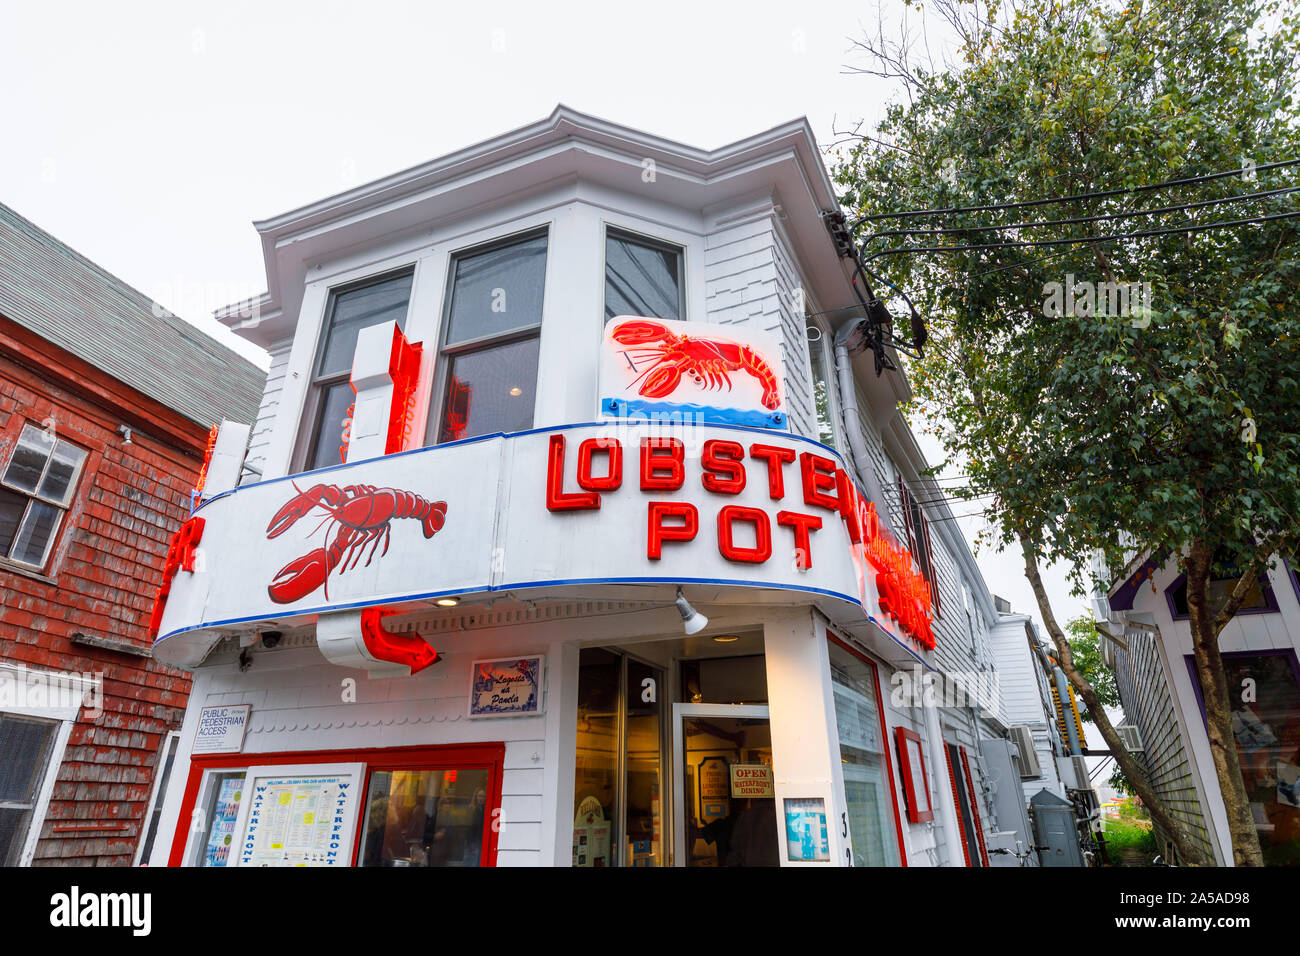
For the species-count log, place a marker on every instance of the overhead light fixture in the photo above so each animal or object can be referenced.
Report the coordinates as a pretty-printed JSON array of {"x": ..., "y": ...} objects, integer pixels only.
[
  {"x": 692, "y": 620},
  {"x": 726, "y": 638},
  {"x": 447, "y": 601},
  {"x": 516, "y": 391}
]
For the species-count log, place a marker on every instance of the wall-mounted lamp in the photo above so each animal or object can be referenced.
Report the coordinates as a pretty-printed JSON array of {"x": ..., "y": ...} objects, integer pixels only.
[
  {"x": 125, "y": 430},
  {"x": 692, "y": 620}
]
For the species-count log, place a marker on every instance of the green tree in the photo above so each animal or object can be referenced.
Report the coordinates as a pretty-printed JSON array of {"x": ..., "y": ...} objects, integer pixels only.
[
  {"x": 1085, "y": 645},
  {"x": 1166, "y": 429}
]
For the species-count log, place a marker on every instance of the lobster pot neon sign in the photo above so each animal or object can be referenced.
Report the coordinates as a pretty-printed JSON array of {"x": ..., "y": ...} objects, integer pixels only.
[{"x": 691, "y": 373}]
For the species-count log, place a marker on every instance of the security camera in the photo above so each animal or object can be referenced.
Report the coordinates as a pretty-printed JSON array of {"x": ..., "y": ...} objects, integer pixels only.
[{"x": 270, "y": 639}]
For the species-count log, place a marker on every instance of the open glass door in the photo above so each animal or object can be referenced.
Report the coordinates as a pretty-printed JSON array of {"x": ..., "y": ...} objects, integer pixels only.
[{"x": 725, "y": 808}]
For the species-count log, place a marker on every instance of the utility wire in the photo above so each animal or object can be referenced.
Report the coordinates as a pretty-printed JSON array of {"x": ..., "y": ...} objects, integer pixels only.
[
  {"x": 1125, "y": 191},
  {"x": 1078, "y": 220},
  {"x": 1087, "y": 240}
]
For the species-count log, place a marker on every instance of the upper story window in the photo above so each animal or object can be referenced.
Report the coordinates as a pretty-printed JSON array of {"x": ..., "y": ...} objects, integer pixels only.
[
  {"x": 35, "y": 492},
  {"x": 350, "y": 310},
  {"x": 490, "y": 342},
  {"x": 1259, "y": 598},
  {"x": 642, "y": 277},
  {"x": 821, "y": 383},
  {"x": 918, "y": 539}
]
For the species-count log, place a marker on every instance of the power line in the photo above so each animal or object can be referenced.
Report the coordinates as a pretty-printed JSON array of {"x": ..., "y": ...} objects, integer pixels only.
[
  {"x": 1086, "y": 240},
  {"x": 1125, "y": 191},
  {"x": 1078, "y": 220}
]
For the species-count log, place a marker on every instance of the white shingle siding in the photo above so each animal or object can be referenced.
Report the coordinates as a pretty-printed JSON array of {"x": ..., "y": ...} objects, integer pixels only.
[
  {"x": 259, "y": 443},
  {"x": 750, "y": 279}
]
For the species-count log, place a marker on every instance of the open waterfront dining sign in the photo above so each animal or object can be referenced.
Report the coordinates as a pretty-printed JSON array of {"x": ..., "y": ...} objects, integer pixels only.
[{"x": 564, "y": 507}]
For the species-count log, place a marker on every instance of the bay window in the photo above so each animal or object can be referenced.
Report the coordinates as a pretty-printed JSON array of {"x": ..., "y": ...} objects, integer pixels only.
[
  {"x": 642, "y": 277},
  {"x": 488, "y": 358},
  {"x": 350, "y": 310}
]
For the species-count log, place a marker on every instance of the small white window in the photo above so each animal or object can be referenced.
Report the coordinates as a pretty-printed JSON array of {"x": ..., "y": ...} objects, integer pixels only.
[{"x": 36, "y": 489}]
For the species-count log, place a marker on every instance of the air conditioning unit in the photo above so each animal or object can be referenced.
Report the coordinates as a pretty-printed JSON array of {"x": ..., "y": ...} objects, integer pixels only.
[
  {"x": 1131, "y": 737},
  {"x": 1023, "y": 738}
]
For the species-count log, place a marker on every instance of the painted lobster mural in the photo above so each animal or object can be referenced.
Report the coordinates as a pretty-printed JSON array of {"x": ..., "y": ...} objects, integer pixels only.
[
  {"x": 363, "y": 515},
  {"x": 707, "y": 361}
]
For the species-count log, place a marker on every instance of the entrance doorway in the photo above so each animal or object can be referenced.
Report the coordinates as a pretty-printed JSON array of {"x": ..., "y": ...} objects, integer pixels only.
[{"x": 725, "y": 802}]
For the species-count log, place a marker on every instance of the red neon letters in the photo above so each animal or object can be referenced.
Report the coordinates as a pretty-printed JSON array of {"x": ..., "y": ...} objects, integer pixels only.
[
  {"x": 745, "y": 534},
  {"x": 180, "y": 557}
]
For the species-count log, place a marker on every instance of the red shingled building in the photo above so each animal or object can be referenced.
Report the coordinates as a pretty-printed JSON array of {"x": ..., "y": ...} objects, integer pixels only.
[{"x": 106, "y": 403}]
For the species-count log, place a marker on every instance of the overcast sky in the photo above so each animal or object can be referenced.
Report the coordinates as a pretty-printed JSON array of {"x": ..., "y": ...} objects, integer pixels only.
[{"x": 150, "y": 140}]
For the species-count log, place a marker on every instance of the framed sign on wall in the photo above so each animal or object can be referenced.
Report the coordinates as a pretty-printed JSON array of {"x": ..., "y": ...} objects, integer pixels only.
[
  {"x": 301, "y": 815},
  {"x": 911, "y": 765},
  {"x": 506, "y": 687}
]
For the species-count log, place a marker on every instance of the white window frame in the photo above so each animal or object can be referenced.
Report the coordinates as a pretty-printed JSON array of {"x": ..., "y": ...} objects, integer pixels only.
[
  {"x": 834, "y": 408},
  {"x": 172, "y": 742},
  {"x": 66, "y": 716},
  {"x": 634, "y": 235},
  {"x": 33, "y": 496}
]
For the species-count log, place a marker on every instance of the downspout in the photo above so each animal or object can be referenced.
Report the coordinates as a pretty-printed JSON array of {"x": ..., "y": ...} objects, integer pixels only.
[{"x": 853, "y": 425}]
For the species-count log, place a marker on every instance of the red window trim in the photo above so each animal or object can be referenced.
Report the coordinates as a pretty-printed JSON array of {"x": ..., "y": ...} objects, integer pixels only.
[
  {"x": 884, "y": 733},
  {"x": 489, "y": 756},
  {"x": 956, "y": 796},
  {"x": 901, "y": 736},
  {"x": 974, "y": 805}
]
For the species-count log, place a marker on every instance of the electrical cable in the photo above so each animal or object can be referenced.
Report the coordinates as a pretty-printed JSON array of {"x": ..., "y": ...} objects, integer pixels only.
[
  {"x": 1088, "y": 240},
  {"x": 989, "y": 227},
  {"x": 1127, "y": 190}
]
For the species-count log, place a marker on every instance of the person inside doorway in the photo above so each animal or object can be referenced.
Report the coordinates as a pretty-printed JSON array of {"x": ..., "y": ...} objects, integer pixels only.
[{"x": 747, "y": 836}]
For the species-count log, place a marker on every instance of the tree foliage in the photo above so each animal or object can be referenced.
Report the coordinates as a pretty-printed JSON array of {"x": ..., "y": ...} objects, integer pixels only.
[{"x": 1168, "y": 427}]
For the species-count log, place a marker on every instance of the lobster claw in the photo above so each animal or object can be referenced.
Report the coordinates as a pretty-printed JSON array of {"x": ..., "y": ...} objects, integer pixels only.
[
  {"x": 637, "y": 332},
  {"x": 299, "y": 506},
  {"x": 662, "y": 381},
  {"x": 299, "y": 577}
]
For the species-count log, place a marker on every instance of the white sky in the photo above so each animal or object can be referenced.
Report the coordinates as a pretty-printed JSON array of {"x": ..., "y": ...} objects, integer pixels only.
[{"x": 150, "y": 140}]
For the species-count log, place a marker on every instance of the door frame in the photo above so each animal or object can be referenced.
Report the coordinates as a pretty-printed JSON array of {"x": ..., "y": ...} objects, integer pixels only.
[{"x": 681, "y": 711}]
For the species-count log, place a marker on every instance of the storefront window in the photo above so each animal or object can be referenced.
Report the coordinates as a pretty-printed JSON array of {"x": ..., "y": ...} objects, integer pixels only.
[
  {"x": 867, "y": 787},
  {"x": 618, "y": 768},
  {"x": 424, "y": 818},
  {"x": 1264, "y": 697},
  {"x": 725, "y": 680}
]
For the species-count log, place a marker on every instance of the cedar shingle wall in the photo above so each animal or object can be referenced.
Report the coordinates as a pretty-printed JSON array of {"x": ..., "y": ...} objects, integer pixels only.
[{"x": 106, "y": 568}]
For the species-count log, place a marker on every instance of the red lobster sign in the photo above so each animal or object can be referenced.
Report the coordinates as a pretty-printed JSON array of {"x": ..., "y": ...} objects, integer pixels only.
[
  {"x": 707, "y": 361},
  {"x": 362, "y": 515}
]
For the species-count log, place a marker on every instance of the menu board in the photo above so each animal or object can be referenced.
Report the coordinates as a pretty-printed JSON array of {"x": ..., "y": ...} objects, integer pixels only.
[{"x": 305, "y": 817}]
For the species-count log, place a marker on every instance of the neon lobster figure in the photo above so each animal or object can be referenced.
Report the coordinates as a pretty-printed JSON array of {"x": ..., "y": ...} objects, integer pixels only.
[
  {"x": 706, "y": 360},
  {"x": 363, "y": 514}
]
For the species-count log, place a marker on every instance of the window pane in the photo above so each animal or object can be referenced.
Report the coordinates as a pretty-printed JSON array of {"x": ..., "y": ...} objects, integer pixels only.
[
  {"x": 12, "y": 507},
  {"x": 498, "y": 291},
  {"x": 63, "y": 469},
  {"x": 227, "y": 790},
  {"x": 595, "y": 787},
  {"x": 425, "y": 818},
  {"x": 821, "y": 387},
  {"x": 335, "y": 403},
  {"x": 24, "y": 748},
  {"x": 643, "y": 840},
  {"x": 28, "y": 462},
  {"x": 641, "y": 280},
  {"x": 358, "y": 309},
  {"x": 866, "y": 786},
  {"x": 491, "y": 390},
  {"x": 35, "y": 533}
]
